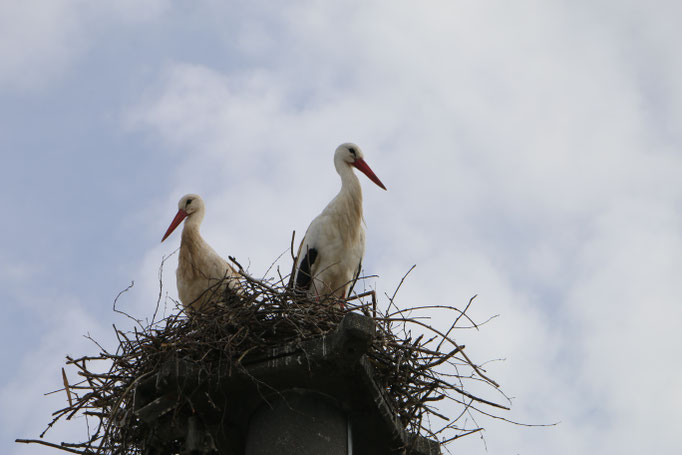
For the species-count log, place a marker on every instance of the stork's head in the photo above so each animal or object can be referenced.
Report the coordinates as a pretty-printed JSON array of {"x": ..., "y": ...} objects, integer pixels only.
[
  {"x": 351, "y": 154},
  {"x": 189, "y": 206}
]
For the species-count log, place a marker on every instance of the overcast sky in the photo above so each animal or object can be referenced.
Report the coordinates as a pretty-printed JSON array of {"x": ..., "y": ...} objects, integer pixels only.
[{"x": 532, "y": 152}]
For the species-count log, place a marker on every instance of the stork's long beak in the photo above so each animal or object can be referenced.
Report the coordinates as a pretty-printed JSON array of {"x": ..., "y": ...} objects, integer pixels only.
[
  {"x": 363, "y": 167},
  {"x": 181, "y": 215}
]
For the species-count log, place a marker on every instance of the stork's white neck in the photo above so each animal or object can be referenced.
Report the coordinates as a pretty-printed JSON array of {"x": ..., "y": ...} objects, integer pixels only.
[
  {"x": 346, "y": 207},
  {"x": 192, "y": 246},
  {"x": 192, "y": 223},
  {"x": 350, "y": 184}
]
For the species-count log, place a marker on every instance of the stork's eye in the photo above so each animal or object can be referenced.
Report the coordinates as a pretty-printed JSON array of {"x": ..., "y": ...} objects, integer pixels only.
[
  {"x": 352, "y": 150},
  {"x": 189, "y": 201}
]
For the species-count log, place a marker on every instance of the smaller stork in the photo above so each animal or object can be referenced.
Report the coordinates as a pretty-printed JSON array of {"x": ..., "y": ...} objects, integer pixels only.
[
  {"x": 202, "y": 274},
  {"x": 330, "y": 256}
]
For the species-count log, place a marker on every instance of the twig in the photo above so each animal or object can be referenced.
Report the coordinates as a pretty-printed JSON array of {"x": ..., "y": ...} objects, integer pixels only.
[
  {"x": 139, "y": 322},
  {"x": 48, "y": 444}
]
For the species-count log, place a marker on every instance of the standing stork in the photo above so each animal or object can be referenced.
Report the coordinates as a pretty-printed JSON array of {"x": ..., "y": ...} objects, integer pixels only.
[
  {"x": 330, "y": 256},
  {"x": 202, "y": 274}
]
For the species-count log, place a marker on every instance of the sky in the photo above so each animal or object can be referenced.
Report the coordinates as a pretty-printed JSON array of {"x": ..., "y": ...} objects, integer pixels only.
[{"x": 532, "y": 152}]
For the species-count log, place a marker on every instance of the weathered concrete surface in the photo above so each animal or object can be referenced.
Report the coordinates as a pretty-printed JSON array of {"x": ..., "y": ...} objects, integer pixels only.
[{"x": 301, "y": 422}]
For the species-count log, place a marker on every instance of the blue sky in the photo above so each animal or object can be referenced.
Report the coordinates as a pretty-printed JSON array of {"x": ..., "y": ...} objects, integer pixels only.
[{"x": 531, "y": 152}]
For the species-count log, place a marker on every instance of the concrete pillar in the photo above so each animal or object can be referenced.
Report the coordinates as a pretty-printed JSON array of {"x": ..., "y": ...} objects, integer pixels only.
[{"x": 298, "y": 422}]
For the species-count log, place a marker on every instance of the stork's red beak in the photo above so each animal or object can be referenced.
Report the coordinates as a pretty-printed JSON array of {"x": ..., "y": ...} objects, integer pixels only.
[
  {"x": 364, "y": 168},
  {"x": 181, "y": 215}
]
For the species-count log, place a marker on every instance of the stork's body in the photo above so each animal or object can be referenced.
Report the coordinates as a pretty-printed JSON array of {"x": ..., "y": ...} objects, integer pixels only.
[
  {"x": 330, "y": 255},
  {"x": 202, "y": 275}
]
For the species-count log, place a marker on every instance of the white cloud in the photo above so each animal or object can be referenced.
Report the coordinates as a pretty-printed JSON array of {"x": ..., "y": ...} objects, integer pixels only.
[
  {"x": 39, "y": 41},
  {"x": 17, "y": 273},
  {"x": 530, "y": 155},
  {"x": 34, "y": 40},
  {"x": 521, "y": 163}
]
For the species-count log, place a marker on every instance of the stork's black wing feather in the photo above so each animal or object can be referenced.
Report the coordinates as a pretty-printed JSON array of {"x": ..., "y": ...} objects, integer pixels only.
[{"x": 304, "y": 278}]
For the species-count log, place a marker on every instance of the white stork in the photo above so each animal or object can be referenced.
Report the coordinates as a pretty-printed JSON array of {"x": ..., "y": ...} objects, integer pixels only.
[
  {"x": 330, "y": 256},
  {"x": 202, "y": 274}
]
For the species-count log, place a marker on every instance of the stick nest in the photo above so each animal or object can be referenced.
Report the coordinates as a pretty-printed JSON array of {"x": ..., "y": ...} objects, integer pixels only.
[{"x": 422, "y": 371}]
